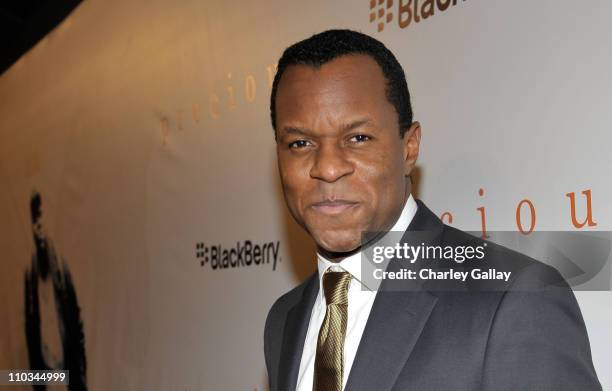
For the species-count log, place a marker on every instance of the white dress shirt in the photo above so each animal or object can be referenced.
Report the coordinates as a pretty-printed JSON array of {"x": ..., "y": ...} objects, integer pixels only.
[{"x": 359, "y": 305}]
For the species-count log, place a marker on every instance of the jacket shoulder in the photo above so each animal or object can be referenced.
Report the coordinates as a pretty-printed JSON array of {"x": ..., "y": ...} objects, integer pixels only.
[
  {"x": 526, "y": 272},
  {"x": 289, "y": 299},
  {"x": 275, "y": 326}
]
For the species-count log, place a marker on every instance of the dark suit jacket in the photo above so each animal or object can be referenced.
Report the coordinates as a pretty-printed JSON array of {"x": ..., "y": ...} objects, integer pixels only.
[{"x": 507, "y": 339}]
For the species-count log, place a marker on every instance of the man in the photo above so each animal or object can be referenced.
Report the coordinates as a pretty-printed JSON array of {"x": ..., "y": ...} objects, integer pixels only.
[{"x": 346, "y": 145}]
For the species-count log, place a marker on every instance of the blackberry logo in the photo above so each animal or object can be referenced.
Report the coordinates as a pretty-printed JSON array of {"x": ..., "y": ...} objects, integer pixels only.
[
  {"x": 408, "y": 11},
  {"x": 202, "y": 254},
  {"x": 243, "y": 254},
  {"x": 381, "y": 10}
]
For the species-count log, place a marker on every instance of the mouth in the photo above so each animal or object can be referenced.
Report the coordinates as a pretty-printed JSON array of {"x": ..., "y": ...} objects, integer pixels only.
[{"x": 335, "y": 207}]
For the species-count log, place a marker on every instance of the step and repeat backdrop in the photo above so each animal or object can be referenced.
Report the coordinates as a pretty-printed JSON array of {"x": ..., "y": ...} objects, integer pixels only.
[{"x": 143, "y": 231}]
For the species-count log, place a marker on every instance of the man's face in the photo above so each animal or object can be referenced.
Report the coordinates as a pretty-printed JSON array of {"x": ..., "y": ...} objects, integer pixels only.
[{"x": 342, "y": 162}]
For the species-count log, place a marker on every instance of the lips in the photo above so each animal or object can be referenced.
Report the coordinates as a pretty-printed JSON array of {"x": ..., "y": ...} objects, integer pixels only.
[{"x": 333, "y": 207}]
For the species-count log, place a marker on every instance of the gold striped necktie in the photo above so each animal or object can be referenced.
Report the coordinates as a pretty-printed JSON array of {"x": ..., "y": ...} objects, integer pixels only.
[{"x": 329, "y": 359}]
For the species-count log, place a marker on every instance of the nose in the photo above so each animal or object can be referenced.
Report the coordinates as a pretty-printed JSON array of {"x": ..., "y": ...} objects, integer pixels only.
[{"x": 330, "y": 163}]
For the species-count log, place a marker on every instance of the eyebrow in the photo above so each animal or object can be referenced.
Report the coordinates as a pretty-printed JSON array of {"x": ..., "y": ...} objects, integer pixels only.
[
  {"x": 345, "y": 127},
  {"x": 294, "y": 130},
  {"x": 355, "y": 124}
]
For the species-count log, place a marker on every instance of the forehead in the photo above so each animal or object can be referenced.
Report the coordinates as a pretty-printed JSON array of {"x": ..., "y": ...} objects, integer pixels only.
[{"x": 343, "y": 86}]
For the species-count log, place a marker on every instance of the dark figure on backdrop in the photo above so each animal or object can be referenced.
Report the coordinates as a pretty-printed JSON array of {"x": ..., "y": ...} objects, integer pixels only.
[
  {"x": 346, "y": 146},
  {"x": 54, "y": 330}
]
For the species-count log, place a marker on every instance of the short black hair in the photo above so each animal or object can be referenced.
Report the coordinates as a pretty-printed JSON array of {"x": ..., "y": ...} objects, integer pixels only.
[{"x": 331, "y": 44}]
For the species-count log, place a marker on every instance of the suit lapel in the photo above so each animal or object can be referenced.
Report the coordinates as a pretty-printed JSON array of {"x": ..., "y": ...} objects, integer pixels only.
[
  {"x": 395, "y": 323},
  {"x": 394, "y": 326},
  {"x": 296, "y": 326}
]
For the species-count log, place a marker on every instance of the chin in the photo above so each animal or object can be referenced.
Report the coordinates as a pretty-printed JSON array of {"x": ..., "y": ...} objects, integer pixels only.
[{"x": 337, "y": 242}]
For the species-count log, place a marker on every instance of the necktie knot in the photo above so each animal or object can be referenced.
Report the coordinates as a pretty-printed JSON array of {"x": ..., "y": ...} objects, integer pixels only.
[
  {"x": 335, "y": 287},
  {"x": 329, "y": 360}
]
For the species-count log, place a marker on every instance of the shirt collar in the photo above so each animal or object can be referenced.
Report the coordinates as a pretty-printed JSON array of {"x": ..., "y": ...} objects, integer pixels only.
[{"x": 352, "y": 263}]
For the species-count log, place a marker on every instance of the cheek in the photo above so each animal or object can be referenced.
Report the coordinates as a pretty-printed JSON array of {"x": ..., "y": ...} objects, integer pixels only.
[
  {"x": 383, "y": 179},
  {"x": 294, "y": 183},
  {"x": 382, "y": 170}
]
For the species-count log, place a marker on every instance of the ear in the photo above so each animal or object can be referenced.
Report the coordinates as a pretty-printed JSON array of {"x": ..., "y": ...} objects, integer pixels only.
[{"x": 411, "y": 143}]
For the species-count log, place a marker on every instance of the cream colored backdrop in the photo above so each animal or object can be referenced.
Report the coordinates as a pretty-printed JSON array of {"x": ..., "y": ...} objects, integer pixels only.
[{"x": 144, "y": 126}]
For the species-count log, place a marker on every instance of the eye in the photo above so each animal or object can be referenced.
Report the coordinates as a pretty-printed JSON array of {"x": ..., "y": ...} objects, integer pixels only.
[
  {"x": 360, "y": 138},
  {"x": 298, "y": 144}
]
